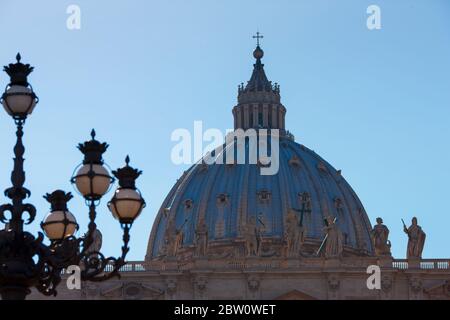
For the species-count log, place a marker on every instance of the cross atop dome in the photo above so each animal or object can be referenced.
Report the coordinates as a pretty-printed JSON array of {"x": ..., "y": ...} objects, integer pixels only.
[
  {"x": 258, "y": 53},
  {"x": 257, "y": 37}
]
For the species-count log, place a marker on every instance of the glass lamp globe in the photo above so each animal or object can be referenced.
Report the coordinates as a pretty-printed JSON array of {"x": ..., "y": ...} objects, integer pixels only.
[
  {"x": 59, "y": 225},
  {"x": 19, "y": 101},
  {"x": 92, "y": 180},
  {"x": 126, "y": 204}
]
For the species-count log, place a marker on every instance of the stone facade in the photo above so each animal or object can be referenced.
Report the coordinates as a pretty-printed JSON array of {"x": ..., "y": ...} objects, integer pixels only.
[{"x": 258, "y": 278}]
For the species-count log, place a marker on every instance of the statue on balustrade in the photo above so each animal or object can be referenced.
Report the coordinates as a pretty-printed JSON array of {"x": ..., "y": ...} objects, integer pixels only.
[
  {"x": 179, "y": 236},
  {"x": 93, "y": 251},
  {"x": 96, "y": 244},
  {"x": 252, "y": 236},
  {"x": 173, "y": 238},
  {"x": 334, "y": 243},
  {"x": 169, "y": 238},
  {"x": 201, "y": 238},
  {"x": 416, "y": 240},
  {"x": 379, "y": 235},
  {"x": 294, "y": 234}
]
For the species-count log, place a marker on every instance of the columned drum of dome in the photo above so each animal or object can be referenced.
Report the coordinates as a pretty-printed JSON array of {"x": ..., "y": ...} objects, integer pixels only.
[
  {"x": 216, "y": 204},
  {"x": 259, "y": 101}
]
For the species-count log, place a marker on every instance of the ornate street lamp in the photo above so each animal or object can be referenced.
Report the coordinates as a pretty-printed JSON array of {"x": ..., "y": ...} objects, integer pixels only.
[
  {"x": 25, "y": 261},
  {"x": 60, "y": 223},
  {"x": 19, "y": 99},
  {"x": 127, "y": 203}
]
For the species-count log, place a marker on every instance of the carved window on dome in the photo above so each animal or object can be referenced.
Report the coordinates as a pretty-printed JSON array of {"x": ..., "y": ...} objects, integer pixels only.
[
  {"x": 294, "y": 161},
  {"x": 264, "y": 195},
  {"x": 188, "y": 204},
  {"x": 222, "y": 199},
  {"x": 322, "y": 167},
  {"x": 339, "y": 205}
]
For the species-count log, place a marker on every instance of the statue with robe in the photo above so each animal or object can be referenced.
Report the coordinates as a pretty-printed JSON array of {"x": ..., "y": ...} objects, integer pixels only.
[
  {"x": 334, "y": 239},
  {"x": 201, "y": 238},
  {"x": 293, "y": 235},
  {"x": 416, "y": 240},
  {"x": 92, "y": 251},
  {"x": 380, "y": 242},
  {"x": 179, "y": 236},
  {"x": 252, "y": 237},
  {"x": 173, "y": 237},
  {"x": 169, "y": 238},
  {"x": 96, "y": 244}
]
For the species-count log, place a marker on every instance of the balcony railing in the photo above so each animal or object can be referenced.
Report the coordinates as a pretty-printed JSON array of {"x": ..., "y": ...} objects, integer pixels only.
[
  {"x": 131, "y": 266},
  {"x": 399, "y": 264},
  {"x": 425, "y": 264}
]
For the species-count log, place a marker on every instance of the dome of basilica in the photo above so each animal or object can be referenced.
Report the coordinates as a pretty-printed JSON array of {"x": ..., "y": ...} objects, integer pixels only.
[{"x": 221, "y": 202}]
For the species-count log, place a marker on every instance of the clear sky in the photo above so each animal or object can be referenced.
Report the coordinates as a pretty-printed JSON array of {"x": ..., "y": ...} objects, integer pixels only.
[{"x": 375, "y": 104}]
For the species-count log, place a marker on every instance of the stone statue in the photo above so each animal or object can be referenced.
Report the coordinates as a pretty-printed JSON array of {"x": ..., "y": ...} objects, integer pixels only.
[
  {"x": 379, "y": 235},
  {"x": 92, "y": 252},
  {"x": 173, "y": 238},
  {"x": 96, "y": 244},
  {"x": 169, "y": 238},
  {"x": 179, "y": 235},
  {"x": 201, "y": 238},
  {"x": 293, "y": 235},
  {"x": 252, "y": 237},
  {"x": 416, "y": 240},
  {"x": 334, "y": 239}
]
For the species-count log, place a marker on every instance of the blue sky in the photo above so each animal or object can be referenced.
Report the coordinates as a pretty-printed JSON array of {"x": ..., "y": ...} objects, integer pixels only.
[{"x": 375, "y": 104}]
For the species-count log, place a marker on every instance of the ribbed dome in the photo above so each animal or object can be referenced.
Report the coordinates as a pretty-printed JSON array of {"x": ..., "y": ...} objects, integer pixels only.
[
  {"x": 221, "y": 198},
  {"x": 227, "y": 195}
]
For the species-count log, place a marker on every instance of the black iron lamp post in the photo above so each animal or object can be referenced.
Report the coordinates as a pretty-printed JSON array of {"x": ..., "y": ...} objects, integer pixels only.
[{"x": 25, "y": 261}]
